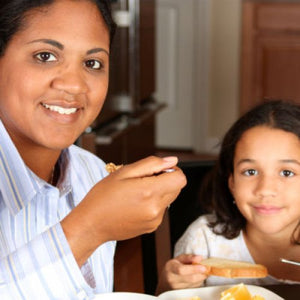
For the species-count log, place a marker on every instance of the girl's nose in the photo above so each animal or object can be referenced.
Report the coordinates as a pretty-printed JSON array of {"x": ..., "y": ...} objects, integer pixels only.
[
  {"x": 266, "y": 186},
  {"x": 70, "y": 81}
]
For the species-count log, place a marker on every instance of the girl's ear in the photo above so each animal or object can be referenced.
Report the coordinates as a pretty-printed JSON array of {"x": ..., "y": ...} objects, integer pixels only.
[{"x": 231, "y": 183}]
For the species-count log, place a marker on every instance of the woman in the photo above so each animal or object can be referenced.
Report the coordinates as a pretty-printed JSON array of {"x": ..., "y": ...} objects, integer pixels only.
[{"x": 59, "y": 213}]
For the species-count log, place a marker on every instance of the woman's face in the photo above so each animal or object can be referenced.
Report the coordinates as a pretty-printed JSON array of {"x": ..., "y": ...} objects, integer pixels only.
[
  {"x": 54, "y": 75},
  {"x": 266, "y": 180}
]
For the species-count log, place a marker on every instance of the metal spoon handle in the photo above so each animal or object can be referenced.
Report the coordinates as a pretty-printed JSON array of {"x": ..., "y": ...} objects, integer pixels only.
[{"x": 292, "y": 262}]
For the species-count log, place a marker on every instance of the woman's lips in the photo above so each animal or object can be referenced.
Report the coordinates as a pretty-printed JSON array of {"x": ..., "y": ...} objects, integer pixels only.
[
  {"x": 267, "y": 210},
  {"x": 61, "y": 110},
  {"x": 66, "y": 114}
]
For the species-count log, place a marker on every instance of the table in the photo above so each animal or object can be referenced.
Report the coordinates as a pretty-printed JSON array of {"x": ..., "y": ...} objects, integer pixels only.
[{"x": 286, "y": 291}]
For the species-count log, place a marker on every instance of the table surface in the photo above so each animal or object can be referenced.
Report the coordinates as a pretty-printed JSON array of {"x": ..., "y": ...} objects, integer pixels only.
[{"x": 286, "y": 291}]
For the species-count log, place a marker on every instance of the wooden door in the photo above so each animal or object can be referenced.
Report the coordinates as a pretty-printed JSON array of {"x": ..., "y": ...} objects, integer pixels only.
[{"x": 270, "y": 52}]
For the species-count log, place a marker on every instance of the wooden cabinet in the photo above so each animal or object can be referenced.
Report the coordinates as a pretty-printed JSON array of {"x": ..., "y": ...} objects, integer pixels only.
[
  {"x": 129, "y": 145},
  {"x": 132, "y": 63},
  {"x": 270, "y": 57}
]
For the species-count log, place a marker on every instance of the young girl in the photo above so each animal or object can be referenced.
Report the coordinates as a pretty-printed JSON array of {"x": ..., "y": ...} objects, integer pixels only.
[{"x": 255, "y": 201}]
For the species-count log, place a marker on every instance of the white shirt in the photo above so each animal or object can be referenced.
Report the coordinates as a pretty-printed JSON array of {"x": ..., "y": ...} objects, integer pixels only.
[
  {"x": 35, "y": 259},
  {"x": 199, "y": 239}
]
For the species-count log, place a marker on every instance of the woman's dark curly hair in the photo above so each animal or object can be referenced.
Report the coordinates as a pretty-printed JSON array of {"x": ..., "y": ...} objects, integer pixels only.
[
  {"x": 276, "y": 114},
  {"x": 13, "y": 13}
]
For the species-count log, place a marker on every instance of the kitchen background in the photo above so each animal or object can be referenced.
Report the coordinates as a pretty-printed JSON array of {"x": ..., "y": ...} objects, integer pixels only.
[
  {"x": 175, "y": 78},
  {"x": 198, "y": 51},
  {"x": 182, "y": 72}
]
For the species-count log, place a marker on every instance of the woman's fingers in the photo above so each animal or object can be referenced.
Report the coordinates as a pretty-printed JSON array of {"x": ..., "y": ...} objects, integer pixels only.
[
  {"x": 129, "y": 202},
  {"x": 149, "y": 166}
]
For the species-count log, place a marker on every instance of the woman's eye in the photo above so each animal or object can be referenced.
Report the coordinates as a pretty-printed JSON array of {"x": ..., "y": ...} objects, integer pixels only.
[
  {"x": 45, "y": 56},
  {"x": 287, "y": 173},
  {"x": 93, "y": 64},
  {"x": 250, "y": 172}
]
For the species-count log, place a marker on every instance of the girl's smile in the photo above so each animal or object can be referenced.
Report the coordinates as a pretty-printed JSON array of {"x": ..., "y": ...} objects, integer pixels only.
[{"x": 267, "y": 209}]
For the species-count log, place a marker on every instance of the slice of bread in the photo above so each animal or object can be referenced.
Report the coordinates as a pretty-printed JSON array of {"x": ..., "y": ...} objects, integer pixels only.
[
  {"x": 111, "y": 167},
  {"x": 234, "y": 269}
]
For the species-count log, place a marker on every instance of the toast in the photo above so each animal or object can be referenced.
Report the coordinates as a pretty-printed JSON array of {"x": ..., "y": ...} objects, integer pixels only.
[
  {"x": 234, "y": 269},
  {"x": 111, "y": 167}
]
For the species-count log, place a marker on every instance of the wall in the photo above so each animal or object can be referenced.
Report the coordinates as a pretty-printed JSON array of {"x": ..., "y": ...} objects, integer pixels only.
[
  {"x": 217, "y": 73},
  {"x": 197, "y": 72},
  {"x": 225, "y": 64}
]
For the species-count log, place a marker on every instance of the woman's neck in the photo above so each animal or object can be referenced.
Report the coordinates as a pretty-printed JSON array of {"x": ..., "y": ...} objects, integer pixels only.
[{"x": 41, "y": 161}]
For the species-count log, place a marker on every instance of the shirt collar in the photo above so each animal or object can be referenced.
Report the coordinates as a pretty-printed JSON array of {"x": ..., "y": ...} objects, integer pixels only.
[
  {"x": 18, "y": 184},
  {"x": 64, "y": 163},
  {"x": 15, "y": 184}
]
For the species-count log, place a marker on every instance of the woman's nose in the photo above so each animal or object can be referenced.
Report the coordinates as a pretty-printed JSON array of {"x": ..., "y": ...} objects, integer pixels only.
[
  {"x": 266, "y": 186},
  {"x": 71, "y": 81}
]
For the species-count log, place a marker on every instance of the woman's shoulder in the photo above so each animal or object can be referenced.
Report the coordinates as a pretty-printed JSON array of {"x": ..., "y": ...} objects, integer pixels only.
[
  {"x": 78, "y": 152},
  {"x": 85, "y": 162}
]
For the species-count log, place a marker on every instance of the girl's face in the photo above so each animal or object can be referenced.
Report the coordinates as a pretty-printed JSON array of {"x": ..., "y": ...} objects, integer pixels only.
[
  {"x": 54, "y": 75},
  {"x": 266, "y": 180}
]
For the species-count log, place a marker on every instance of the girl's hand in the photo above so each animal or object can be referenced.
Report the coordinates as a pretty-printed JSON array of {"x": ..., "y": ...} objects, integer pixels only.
[
  {"x": 127, "y": 203},
  {"x": 181, "y": 272}
]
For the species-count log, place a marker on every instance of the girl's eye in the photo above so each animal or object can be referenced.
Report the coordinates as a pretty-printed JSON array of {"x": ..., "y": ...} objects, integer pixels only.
[
  {"x": 287, "y": 173},
  {"x": 93, "y": 64},
  {"x": 250, "y": 172},
  {"x": 45, "y": 57}
]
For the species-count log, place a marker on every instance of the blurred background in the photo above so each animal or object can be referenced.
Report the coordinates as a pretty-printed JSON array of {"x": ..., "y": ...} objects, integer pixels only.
[
  {"x": 175, "y": 76},
  {"x": 183, "y": 71},
  {"x": 181, "y": 74}
]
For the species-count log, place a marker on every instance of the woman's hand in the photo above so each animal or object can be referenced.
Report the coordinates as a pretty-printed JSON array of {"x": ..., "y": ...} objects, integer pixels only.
[
  {"x": 125, "y": 204},
  {"x": 181, "y": 272}
]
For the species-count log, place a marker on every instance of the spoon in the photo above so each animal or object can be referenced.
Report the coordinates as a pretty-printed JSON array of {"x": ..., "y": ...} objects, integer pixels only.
[{"x": 288, "y": 261}]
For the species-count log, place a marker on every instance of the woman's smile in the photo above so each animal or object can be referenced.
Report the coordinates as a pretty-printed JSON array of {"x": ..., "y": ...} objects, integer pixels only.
[{"x": 61, "y": 110}]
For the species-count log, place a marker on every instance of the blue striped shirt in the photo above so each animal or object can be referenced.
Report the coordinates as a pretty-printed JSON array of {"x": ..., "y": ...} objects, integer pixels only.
[{"x": 35, "y": 258}]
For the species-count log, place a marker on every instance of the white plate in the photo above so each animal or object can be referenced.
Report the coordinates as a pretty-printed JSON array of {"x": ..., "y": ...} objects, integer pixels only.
[
  {"x": 124, "y": 296},
  {"x": 214, "y": 292}
]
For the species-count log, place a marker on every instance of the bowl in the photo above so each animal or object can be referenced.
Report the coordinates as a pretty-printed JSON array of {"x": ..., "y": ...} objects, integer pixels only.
[{"x": 124, "y": 296}]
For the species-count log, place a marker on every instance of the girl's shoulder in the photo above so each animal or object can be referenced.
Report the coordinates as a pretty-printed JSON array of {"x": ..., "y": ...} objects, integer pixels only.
[
  {"x": 198, "y": 229},
  {"x": 196, "y": 237},
  {"x": 200, "y": 238},
  {"x": 202, "y": 223}
]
